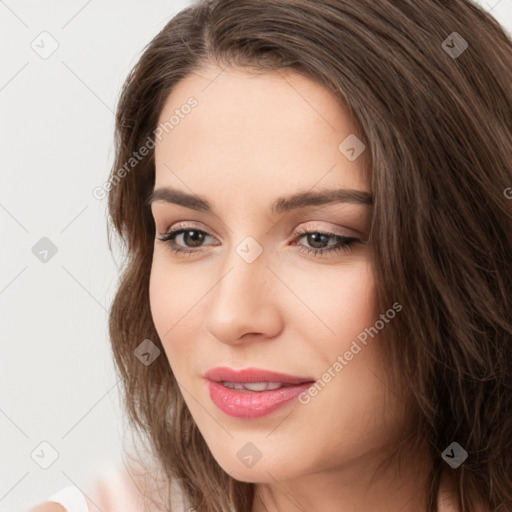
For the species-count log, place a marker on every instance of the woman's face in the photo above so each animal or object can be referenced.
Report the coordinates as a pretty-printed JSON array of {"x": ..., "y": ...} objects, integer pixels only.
[{"x": 251, "y": 292}]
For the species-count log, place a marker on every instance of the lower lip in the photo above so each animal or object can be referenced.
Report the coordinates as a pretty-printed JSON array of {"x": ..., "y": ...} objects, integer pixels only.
[{"x": 252, "y": 404}]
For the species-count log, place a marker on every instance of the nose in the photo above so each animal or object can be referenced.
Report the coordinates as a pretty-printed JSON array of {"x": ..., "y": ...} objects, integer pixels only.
[{"x": 244, "y": 302}]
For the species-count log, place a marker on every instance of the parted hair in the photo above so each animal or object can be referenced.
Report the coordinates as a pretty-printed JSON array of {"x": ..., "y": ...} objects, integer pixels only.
[{"x": 428, "y": 85}]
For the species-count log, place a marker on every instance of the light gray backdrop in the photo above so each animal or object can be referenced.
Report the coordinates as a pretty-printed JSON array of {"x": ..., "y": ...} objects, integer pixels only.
[{"x": 63, "y": 63}]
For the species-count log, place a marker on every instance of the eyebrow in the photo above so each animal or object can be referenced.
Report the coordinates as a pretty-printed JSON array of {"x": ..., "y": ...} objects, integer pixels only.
[{"x": 280, "y": 205}]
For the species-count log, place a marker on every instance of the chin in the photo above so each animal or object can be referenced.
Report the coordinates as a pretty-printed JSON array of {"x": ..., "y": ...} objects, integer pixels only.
[{"x": 263, "y": 471}]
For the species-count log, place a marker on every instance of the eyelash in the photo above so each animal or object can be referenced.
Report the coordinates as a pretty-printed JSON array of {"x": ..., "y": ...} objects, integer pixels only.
[{"x": 346, "y": 242}]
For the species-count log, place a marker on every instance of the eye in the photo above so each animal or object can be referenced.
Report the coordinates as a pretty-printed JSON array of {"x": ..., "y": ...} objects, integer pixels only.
[
  {"x": 194, "y": 238},
  {"x": 320, "y": 238},
  {"x": 190, "y": 234}
]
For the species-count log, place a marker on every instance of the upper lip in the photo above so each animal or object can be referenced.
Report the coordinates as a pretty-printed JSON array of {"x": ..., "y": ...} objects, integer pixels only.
[{"x": 226, "y": 374}]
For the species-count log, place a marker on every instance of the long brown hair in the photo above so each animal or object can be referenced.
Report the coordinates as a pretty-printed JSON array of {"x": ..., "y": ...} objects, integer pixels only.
[{"x": 428, "y": 84}]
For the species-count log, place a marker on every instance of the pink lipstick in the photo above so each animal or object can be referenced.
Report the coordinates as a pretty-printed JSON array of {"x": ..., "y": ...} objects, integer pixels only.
[{"x": 253, "y": 392}]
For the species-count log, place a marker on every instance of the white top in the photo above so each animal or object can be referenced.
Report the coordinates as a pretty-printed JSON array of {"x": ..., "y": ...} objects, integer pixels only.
[{"x": 116, "y": 490}]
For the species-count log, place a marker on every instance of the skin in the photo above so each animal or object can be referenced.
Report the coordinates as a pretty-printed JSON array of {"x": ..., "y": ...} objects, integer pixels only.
[
  {"x": 251, "y": 139},
  {"x": 50, "y": 506}
]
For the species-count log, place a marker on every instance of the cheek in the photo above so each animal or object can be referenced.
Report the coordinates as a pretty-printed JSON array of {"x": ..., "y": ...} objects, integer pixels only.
[
  {"x": 346, "y": 294},
  {"x": 174, "y": 296},
  {"x": 333, "y": 304},
  {"x": 355, "y": 306},
  {"x": 342, "y": 300},
  {"x": 171, "y": 292},
  {"x": 160, "y": 300}
]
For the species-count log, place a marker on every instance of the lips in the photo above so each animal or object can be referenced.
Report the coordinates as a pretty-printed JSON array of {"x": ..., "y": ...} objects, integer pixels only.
[
  {"x": 226, "y": 374},
  {"x": 238, "y": 401}
]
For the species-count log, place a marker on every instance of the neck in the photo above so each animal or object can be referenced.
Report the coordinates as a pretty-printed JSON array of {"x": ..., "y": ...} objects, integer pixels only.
[{"x": 361, "y": 486}]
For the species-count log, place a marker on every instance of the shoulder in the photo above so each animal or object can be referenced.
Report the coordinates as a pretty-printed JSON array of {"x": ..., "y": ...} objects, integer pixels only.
[
  {"x": 447, "y": 498},
  {"x": 119, "y": 489},
  {"x": 116, "y": 490}
]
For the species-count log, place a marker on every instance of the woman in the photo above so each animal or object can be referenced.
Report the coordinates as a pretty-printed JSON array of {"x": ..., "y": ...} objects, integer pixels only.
[{"x": 315, "y": 312}]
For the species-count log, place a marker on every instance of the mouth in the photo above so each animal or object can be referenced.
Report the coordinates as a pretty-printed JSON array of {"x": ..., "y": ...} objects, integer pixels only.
[
  {"x": 252, "y": 393},
  {"x": 255, "y": 387},
  {"x": 260, "y": 376}
]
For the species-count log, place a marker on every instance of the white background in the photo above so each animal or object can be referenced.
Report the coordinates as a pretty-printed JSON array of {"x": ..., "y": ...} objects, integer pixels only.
[{"x": 57, "y": 378}]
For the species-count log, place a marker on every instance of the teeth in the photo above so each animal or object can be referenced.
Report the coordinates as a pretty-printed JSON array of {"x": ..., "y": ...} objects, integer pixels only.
[{"x": 253, "y": 386}]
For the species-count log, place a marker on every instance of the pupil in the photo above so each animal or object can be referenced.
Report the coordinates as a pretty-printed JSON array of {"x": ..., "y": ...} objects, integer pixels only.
[
  {"x": 320, "y": 239},
  {"x": 198, "y": 238}
]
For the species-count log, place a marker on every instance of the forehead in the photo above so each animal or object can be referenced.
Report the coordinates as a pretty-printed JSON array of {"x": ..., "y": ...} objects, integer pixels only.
[{"x": 258, "y": 132}]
